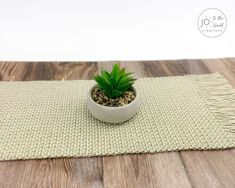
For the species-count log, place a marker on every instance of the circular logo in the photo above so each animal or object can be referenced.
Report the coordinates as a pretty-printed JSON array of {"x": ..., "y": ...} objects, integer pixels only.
[{"x": 212, "y": 22}]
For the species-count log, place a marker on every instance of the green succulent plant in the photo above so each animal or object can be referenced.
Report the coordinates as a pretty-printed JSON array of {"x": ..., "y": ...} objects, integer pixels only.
[{"x": 115, "y": 83}]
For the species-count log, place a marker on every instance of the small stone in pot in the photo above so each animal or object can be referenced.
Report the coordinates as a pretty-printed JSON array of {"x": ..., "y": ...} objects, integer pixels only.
[{"x": 99, "y": 97}]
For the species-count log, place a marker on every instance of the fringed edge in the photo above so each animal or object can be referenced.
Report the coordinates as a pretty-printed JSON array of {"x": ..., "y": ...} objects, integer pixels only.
[{"x": 220, "y": 97}]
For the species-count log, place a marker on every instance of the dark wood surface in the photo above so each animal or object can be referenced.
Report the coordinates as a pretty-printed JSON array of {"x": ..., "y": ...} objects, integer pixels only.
[{"x": 215, "y": 168}]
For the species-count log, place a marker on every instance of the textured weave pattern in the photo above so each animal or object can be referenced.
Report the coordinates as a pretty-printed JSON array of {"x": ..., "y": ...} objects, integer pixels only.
[{"x": 44, "y": 119}]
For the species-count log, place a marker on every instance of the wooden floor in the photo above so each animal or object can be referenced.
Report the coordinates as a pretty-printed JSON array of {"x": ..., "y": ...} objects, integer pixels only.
[{"x": 173, "y": 169}]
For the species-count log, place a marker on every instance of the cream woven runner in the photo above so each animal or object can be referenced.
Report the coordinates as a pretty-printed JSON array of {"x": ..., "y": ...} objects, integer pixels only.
[{"x": 44, "y": 119}]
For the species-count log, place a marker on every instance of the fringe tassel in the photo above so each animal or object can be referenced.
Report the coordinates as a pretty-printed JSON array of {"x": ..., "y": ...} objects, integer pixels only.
[{"x": 220, "y": 97}]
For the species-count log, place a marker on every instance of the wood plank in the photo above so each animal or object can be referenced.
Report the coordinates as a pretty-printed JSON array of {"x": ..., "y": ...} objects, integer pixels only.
[
  {"x": 199, "y": 170},
  {"x": 12, "y": 71},
  {"x": 85, "y": 172},
  {"x": 63, "y": 172},
  {"x": 163, "y": 68},
  {"x": 145, "y": 170},
  {"x": 194, "y": 67},
  {"x": 46, "y": 71},
  {"x": 210, "y": 168},
  {"x": 169, "y": 170},
  {"x": 226, "y": 67},
  {"x": 73, "y": 71},
  {"x": 223, "y": 165}
]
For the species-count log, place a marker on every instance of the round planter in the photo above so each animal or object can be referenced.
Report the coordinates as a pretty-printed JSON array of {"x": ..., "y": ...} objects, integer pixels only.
[{"x": 112, "y": 114}]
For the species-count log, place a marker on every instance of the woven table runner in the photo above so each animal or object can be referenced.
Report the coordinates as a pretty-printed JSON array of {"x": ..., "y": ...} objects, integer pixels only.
[{"x": 47, "y": 119}]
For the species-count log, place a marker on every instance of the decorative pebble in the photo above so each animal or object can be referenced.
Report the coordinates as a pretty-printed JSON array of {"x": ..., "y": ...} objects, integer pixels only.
[{"x": 99, "y": 97}]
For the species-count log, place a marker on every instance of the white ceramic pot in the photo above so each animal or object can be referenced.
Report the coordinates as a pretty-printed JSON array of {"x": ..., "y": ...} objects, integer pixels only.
[{"x": 112, "y": 114}]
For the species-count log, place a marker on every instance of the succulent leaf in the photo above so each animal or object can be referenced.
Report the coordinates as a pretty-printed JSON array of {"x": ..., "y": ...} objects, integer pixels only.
[{"x": 114, "y": 83}]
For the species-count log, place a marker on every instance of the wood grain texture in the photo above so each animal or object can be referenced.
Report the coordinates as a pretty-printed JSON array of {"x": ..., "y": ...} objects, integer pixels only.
[{"x": 173, "y": 169}]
